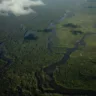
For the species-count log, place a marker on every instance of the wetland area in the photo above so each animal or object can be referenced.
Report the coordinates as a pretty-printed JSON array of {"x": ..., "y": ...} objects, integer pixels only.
[{"x": 50, "y": 52}]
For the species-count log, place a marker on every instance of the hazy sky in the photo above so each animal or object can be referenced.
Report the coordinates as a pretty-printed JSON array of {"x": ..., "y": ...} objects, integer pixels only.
[{"x": 18, "y": 7}]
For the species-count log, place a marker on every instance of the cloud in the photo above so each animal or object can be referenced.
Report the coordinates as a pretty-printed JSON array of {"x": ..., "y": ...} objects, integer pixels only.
[{"x": 18, "y": 7}]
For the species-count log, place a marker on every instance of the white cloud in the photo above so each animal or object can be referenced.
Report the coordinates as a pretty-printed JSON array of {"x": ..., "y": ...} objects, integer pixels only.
[{"x": 18, "y": 7}]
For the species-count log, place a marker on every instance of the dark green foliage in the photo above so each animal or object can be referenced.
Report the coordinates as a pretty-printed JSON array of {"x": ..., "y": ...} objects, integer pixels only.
[
  {"x": 70, "y": 25},
  {"x": 30, "y": 37},
  {"x": 45, "y": 30},
  {"x": 76, "y": 32}
]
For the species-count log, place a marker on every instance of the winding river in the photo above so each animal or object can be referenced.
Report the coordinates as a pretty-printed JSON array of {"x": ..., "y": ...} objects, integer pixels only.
[
  {"x": 2, "y": 56},
  {"x": 51, "y": 68},
  {"x": 53, "y": 26}
]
